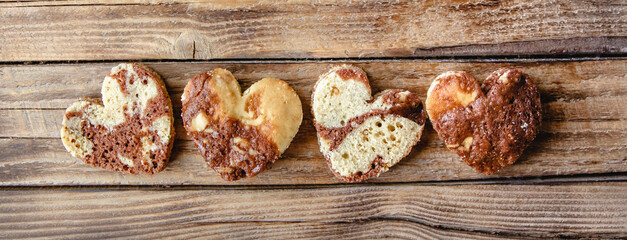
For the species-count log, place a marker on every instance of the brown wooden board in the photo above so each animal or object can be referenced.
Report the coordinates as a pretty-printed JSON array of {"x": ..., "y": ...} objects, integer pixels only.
[
  {"x": 584, "y": 128},
  {"x": 570, "y": 183},
  {"x": 99, "y": 30},
  {"x": 399, "y": 210}
]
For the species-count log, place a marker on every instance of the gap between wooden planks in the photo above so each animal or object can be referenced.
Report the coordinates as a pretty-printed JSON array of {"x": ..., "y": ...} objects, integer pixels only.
[
  {"x": 397, "y": 210},
  {"x": 96, "y": 30},
  {"x": 584, "y": 128}
]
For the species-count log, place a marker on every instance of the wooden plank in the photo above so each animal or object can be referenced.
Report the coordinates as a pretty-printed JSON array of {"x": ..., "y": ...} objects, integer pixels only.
[
  {"x": 97, "y": 30},
  {"x": 584, "y": 127},
  {"x": 562, "y": 148},
  {"x": 571, "y": 210},
  {"x": 56, "y": 86},
  {"x": 372, "y": 229}
]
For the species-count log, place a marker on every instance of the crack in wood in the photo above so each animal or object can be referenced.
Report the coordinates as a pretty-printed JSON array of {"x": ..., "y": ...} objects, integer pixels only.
[
  {"x": 81, "y": 5},
  {"x": 577, "y": 46},
  {"x": 461, "y": 59},
  {"x": 550, "y": 180},
  {"x": 193, "y": 49}
]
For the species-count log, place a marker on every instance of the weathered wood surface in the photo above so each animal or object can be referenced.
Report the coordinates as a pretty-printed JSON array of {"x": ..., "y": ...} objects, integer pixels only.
[
  {"x": 571, "y": 182},
  {"x": 399, "y": 210},
  {"x": 99, "y": 30},
  {"x": 372, "y": 229},
  {"x": 584, "y": 128}
]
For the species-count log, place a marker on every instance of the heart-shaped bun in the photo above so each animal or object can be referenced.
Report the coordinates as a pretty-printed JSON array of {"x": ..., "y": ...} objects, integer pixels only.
[
  {"x": 240, "y": 135},
  {"x": 132, "y": 132},
  {"x": 361, "y": 137},
  {"x": 488, "y": 128}
]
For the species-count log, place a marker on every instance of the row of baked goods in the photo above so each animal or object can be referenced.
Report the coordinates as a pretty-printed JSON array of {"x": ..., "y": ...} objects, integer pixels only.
[{"x": 360, "y": 136}]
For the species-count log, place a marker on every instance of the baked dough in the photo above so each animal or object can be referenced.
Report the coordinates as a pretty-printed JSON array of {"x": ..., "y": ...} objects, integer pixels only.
[
  {"x": 361, "y": 137},
  {"x": 490, "y": 127},
  {"x": 130, "y": 130},
  {"x": 240, "y": 135}
]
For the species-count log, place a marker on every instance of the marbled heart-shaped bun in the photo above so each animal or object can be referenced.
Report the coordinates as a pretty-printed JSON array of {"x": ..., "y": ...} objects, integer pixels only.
[
  {"x": 240, "y": 135},
  {"x": 131, "y": 130},
  {"x": 361, "y": 136}
]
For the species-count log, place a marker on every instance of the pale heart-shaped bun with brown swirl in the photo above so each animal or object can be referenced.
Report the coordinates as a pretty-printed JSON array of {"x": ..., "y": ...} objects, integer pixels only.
[
  {"x": 490, "y": 127},
  {"x": 240, "y": 135},
  {"x": 361, "y": 136},
  {"x": 131, "y": 132}
]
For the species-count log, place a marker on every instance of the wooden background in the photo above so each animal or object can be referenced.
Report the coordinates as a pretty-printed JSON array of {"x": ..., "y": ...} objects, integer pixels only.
[{"x": 571, "y": 182}]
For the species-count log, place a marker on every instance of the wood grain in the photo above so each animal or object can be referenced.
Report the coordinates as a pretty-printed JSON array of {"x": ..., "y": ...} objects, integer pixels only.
[
  {"x": 396, "y": 229},
  {"x": 410, "y": 211},
  {"x": 56, "y": 86},
  {"x": 584, "y": 128},
  {"x": 561, "y": 149},
  {"x": 570, "y": 183},
  {"x": 98, "y": 30}
]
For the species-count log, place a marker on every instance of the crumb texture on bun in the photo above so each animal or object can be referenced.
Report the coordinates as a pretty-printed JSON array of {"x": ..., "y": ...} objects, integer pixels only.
[{"x": 361, "y": 136}]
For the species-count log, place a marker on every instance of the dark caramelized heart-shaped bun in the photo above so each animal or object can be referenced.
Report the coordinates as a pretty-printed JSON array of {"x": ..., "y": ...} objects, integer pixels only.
[{"x": 490, "y": 127}]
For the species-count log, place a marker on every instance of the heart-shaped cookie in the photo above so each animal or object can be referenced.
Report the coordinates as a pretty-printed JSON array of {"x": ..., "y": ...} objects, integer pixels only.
[
  {"x": 488, "y": 128},
  {"x": 240, "y": 135},
  {"x": 132, "y": 132},
  {"x": 361, "y": 137}
]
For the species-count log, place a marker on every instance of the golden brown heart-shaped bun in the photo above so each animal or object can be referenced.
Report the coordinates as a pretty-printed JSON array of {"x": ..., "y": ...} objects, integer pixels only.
[
  {"x": 239, "y": 135},
  {"x": 488, "y": 128},
  {"x": 132, "y": 132},
  {"x": 361, "y": 137}
]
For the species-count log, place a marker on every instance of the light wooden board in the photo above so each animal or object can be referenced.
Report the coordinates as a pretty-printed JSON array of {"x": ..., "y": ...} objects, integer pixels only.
[
  {"x": 97, "y": 30},
  {"x": 584, "y": 128},
  {"x": 408, "y": 211}
]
